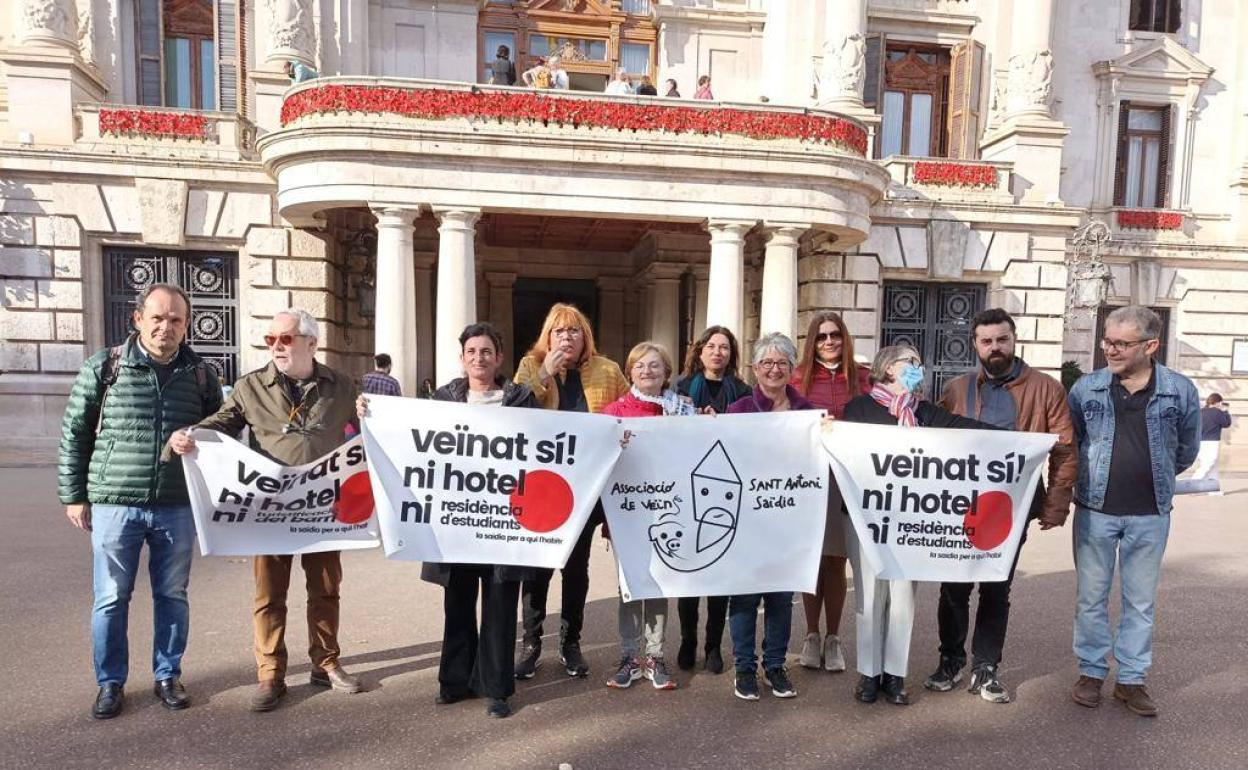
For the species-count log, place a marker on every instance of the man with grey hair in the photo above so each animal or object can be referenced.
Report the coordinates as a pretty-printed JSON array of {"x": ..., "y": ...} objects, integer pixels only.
[
  {"x": 117, "y": 483},
  {"x": 297, "y": 409},
  {"x": 1137, "y": 426}
]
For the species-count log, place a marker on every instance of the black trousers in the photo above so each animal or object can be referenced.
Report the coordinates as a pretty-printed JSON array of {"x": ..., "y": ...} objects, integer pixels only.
[
  {"x": 471, "y": 661},
  {"x": 575, "y": 588},
  {"x": 716, "y": 615},
  {"x": 992, "y": 616}
]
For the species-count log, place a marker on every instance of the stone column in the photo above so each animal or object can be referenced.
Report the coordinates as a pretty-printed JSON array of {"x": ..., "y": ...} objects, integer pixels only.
[
  {"x": 290, "y": 35},
  {"x": 424, "y": 317},
  {"x": 48, "y": 23},
  {"x": 700, "y": 273},
  {"x": 664, "y": 305},
  {"x": 844, "y": 55},
  {"x": 500, "y": 287},
  {"x": 1029, "y": 84},
  {"x": 457, "y": 291},
  {"x": 725, "y": 304},
  {"x": 611, "y": 317},
  {"x": 779, "y": 308},
  {"x": 394, "y": 325}
]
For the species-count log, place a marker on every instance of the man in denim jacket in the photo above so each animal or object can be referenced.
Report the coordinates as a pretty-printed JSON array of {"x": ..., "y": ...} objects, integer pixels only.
[{"x": 1137, "y": 425}]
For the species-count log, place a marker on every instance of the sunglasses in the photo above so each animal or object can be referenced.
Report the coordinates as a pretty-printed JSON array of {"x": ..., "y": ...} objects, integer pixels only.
[
  {"x": 825, "y": 336},
  {"x": 286, "y": 339}
]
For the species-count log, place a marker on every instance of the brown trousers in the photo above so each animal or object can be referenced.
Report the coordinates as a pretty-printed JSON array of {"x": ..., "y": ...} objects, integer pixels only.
[{"x": 323, "y": 576}]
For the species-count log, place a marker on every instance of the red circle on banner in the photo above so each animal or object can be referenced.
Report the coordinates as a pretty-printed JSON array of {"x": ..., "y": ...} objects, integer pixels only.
[
  {"x": 546, "y": 502},
  {"x": 991, "y": 518},
  {"x": 355, "y": 500}
]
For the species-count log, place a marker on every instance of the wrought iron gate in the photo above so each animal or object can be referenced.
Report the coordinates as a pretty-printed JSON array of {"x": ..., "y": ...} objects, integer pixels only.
[
  {"x": 934, "y": 319},
  {"x": 209, "y": 278}
]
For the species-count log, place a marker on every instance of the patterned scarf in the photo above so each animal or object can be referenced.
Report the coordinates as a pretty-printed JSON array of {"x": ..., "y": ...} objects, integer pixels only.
[
  {"x": 899, "y": 406},
  {"x": 671, "y": 403}
]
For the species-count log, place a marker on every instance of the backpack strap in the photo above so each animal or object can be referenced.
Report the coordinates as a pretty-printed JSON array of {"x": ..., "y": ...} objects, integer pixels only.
[
  {"x": 108, "y": 376},
  {"x": 972, "y": 392}
]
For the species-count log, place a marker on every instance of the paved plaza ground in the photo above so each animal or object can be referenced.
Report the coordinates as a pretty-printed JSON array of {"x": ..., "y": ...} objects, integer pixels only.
[{"x": 391, "y": 625}]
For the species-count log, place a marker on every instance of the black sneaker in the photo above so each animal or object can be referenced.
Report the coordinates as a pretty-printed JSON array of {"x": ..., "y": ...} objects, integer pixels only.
[
  {"x": 687, "y": 655},
  {"x": 747, "y": 685},
  {"x": 946, "y": 676},
  {"x": 573, "y": 661},
  {"x": 526, "y": 664},
  {"x": 781, "y": 687},
  {"x": 894, "y": 689},
  {"x": 868, "y": 688},
  {"x": 985, "y": 683}
]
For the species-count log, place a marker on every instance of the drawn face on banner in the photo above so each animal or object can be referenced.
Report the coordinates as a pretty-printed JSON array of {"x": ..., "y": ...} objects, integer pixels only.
[{"x": 694, "y": 537}]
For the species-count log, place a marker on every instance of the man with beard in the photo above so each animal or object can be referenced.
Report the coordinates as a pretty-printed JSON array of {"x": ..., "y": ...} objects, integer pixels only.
[{"x": 1005, "y": 392}]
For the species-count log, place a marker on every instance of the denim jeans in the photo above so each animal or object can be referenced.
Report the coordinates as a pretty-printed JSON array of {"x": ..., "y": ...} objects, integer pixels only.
[
  {"x": 117, "y": 537},
  {"x": 1136, "y": 544},
  {"x": 777, "y": 624}
]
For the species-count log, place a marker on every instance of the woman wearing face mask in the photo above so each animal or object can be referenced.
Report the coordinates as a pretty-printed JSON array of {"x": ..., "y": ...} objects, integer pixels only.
[
  {"x": 885, "y": 608},
  {"x": 710, "y": 381},
  {"x": 829, "y": 377},
  {"x": 649, "y": 368}
]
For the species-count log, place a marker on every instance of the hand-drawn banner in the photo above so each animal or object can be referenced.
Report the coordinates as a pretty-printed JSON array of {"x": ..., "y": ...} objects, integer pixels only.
[
  {"x": 937, "y": 504},
  {"x": 246, "y": 504},
  {"x": 709, "y": 506},
  {"x": 484, "y": 485}
]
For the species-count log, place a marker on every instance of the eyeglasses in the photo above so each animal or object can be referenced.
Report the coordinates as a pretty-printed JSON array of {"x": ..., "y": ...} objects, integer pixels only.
[
  {"x": 909, "y": 360},
  {"x": 653, "y": 366},
  {"x": 567, "y": 331},
  {"x": 286, "y": 339},
  {"x": 825, "y": 336},
  {"x": 768, "y": 365},
  {"x": 1119, "y": 346}
]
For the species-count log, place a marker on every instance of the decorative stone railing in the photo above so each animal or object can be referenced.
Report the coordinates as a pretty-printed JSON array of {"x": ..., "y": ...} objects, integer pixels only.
[
  {"x": 1149, "y": 219},
  {"x": 434, "y": 100},
  {"x": 971, "y": 181},
  {"x": 142, "y": 130}
]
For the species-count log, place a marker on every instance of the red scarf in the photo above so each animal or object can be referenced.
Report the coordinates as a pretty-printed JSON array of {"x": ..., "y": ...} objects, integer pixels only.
[{"x": 900, "y": 406}]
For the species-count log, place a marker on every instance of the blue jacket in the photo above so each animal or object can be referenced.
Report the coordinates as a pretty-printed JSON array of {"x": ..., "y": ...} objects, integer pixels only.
[{"x": 1173, "y": 419}]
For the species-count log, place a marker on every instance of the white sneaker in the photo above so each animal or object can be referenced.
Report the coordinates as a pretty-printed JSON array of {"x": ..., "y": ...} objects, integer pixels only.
[
  {"x": 833, "y": 658},
  {"x": 811, "y": 653}
]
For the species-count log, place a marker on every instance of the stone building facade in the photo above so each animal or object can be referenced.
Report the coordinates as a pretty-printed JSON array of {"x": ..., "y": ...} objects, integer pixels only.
[{"x": 903, "y": 162}]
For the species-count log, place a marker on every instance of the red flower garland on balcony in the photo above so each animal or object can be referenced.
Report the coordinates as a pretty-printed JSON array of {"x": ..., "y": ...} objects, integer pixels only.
[
  {"x": 515, "y": 107},
  {"x": 955, "y": 174},
  {"x": 180, "y": 125},
  {"x": 1150, "y": 220}
]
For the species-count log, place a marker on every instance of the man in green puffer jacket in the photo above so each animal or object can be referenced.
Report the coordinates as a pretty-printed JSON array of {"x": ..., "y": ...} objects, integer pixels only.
[{"x": 119, "y": 481}]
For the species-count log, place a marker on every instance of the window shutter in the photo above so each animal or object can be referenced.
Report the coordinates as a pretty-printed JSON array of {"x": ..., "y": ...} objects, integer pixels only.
[
  {"x": 1163, "y": 157},
  {"x": 966, "y": 72},
  {"x": 151, "y": 56},
  {"x": 1120, "y": 165},
  {"x": 228, "y": 38},
  {"x": 873, "y": 82}
]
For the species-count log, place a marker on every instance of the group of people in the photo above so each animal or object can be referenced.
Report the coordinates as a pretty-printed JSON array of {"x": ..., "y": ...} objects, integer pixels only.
[
  {"x": 549, "y": 73},
  {"x": 1124, "y": 433}
]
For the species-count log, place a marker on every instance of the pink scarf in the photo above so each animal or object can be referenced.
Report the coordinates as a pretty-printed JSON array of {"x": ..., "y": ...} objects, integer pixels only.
[{"x": 899, "y": 406}]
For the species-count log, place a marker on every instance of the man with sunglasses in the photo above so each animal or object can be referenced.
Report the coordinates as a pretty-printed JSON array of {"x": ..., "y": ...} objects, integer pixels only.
[
  {"x": 1137, "y": 426},
  {"x": 297, "y": 409}
]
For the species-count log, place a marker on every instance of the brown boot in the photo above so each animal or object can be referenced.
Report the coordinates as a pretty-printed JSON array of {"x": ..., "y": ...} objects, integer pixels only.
[
  {"x": 1136, "y": 698},
  {"x": 267, "y": 695},
  {"x": 1087, "y": 691},
  {"x": 337, "y": 678}
]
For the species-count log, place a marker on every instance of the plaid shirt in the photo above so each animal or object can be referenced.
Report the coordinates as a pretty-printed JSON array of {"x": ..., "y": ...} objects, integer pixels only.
[{"x": 381, "y": 384}]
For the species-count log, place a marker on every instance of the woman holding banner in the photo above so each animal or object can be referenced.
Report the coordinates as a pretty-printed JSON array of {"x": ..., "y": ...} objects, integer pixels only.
[
  {"x": 565, "y": 372},
  {"x": 829, "y": 377},
  {"x": 885, "y": 608},
  {"x": 775, "y": 355},
  {"x": 709, "y": 380},
  {"x": 649, "y": 367}
]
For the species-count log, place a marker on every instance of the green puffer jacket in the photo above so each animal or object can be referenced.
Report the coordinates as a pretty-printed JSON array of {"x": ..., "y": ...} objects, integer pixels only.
[{"x": 127, "y": 463}]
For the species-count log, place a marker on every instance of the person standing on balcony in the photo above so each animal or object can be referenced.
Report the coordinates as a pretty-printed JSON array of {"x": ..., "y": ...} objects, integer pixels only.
[
  {"x": 503, "y": 72},
  {"x": 620, "y": 85},
  {"x": 565, "y": 372},
  {"x": 1137, "y": 426},
  {"x": 828, "y": 376},
  {"x": 704, "y": 89},
  {"x": 299, "y": 72},
  {"x": 539, "y": 77},
  {"x": 558, "y": 75},
  {"x": 646, "y": 88},
  {"x": 672, "y": 91}
]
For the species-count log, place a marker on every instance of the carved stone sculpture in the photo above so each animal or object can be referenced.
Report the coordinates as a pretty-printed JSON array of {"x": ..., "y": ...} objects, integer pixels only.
[
  {"x": 1031, "y": 81},
  {"x": 290, "y": 30},
  {"x": 844, "y": 67},
  {"x": 48, "y": 21}
]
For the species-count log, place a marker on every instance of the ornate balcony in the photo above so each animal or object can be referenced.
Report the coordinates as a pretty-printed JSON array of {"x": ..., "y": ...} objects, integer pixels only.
[
  {"x": 152, "y": 131},
  {"x": 949, "y": 181},
  {"x": 360, "y": 141}
]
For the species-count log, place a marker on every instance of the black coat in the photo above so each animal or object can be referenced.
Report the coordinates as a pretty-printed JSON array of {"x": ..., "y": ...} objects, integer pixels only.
[
  {"x": 513, "y": 395},
  {"x": 866, "y": 409}
]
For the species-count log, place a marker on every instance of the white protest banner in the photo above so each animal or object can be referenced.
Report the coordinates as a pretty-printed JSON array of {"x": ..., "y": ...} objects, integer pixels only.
[
  {"x": 246, "y": 504},
  {"x": 935, "y": 503},
  {"x": 712, "y": 506},
  {"x": 484, "y": 485}
]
